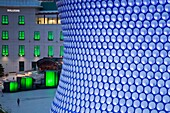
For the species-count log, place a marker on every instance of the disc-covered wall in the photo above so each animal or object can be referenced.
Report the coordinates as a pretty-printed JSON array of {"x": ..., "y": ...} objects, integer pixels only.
[{"x": 116, "y": 57}]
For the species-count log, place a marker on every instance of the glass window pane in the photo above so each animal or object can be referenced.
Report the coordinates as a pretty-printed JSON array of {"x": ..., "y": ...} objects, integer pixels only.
[
  {"x": 36, "y": 51},
  {"x": 50, "y": 35},
  {"x": 4, "y": 20},
  {"x": 5, "y": 51},
  {"x": 61, "y": 51},
  {"x": 5, "y": 35},
  {"x": 21, "y": 66},
  {"x": 21, "y": 50},
  {"x": 21, "y": 20},
  {"x": 21, "y": 35},
  {"x": 61, "y": 36},
  {"x": 36, "y": 35},
  {"x": 50, "y": 51}
]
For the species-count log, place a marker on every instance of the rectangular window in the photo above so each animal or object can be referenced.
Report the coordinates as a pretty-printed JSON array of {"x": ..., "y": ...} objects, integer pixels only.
[
  {"x": 50, "y": 51},
  {"x": 21, "y": 20},
  {"x": 50, "y": 35},
  {"x": 21, "y": 66},
  {"x": 36, "y": 35},
  {"x": 5, "y": 51},
  {"x": 34, "y": 65},
  {"x": 4, "y": 20},
  {"x": 21, "y": 50},
  {"x": 61, "y": 51},
  {"x": 5, "y": 35},
  {"x": 61, "y": 36},
  {"x": 36, "y": 51},
  {"x": 21, "y": 35}
]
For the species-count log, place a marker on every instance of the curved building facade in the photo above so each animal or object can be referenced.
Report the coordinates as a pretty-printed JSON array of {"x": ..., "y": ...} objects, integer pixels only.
[{"x": 116, "y": 57}]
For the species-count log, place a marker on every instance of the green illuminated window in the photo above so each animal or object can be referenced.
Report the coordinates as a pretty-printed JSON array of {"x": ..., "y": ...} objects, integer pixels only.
[
  {"x": 5, "y": 51},
  {"x": 21, "y": 50},
  {"x": 50, "y": 51},
  {"x": 36, "y": 51},
  {"x": 61, "y": 51},
  {"x": 50, "y": 35},
  {"x": 36, "y": 35},
  {"x": 61, "y": 36},
  {"x": 21, "y": 35},
  {"x": 5, "y": 20},
  {"x": 5, "y": 35},
  {"x": 21, "y": 20}
]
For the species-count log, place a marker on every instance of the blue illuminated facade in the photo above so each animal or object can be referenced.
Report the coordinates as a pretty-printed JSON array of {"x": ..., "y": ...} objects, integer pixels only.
[{"x": 116, "y": 57}]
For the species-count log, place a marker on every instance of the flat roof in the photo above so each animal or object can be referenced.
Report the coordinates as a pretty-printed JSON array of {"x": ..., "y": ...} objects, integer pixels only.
[
  {"x": 48, "y": 6},
  {"x": 19, "y": 3}
]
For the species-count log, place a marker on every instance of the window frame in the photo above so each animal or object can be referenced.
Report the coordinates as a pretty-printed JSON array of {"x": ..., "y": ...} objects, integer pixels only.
[
  {"x": 36, "y": 35},
  {"x": 50, "y": 35},
  {"x": 4, "y": 20},
  {"x": 5, "y": 35},
  {"x": 37, "y": 51},
  {"x": 61, "y": 51},
  {"x": 21, "y": 35},
  {"x": 21, "y": 65},
  {"x": 21, "y": 51},
  {"x": 50, "y": 51},
  {"x": 5, "y": 50},
  {"x": 21, "y": 20},
  {"x": 61, "y": 36}
]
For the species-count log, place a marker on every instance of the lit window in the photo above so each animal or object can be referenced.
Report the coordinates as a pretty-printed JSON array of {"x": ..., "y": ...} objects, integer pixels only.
[
  {"x": 59, "y": 21},
  {"x": 36, "y": 35},
  {"x": 61, "y": 36},
  {"x": 47, "y": 20},
  {"x": 61, "y": 51},
  {"x": 5, "y": 51},
  {"x": 21, "y": 20},
  {"x": 5, "y": 35},
  {"x": 21, "y": 35},
  {"x": 21, "y": 50},
  {"x": 50, "y": 35},
  {"x": 50, "y": 51},
  {"x": 36, "y": 51},
  {"x": 4, "y": 20}
]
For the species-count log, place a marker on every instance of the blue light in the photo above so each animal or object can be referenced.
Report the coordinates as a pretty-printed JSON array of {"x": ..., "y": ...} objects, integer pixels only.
[{"x": 117, "y": 57}]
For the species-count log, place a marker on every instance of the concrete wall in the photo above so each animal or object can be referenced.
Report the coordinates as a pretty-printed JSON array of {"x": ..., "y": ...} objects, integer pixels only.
[{"x": 11, "y": 62}]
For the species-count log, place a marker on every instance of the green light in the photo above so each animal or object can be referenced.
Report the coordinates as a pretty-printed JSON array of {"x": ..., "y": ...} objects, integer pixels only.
[
  {"x": 5, "y": 50},
  {"x": 5, "y": 35},
  {"x": 36, "y": 51},
  {"x": 61, "y": 50},
  {"x": 61, "y": 36},
  {"x": 13, "y": 86},
  {"x": 50, "y": 51},
  {"x": 29, "y": 82},
  {"x": 50, "y": 78},
  {"x": 36, "y": 35},
  {"x": 26, "y": 82},
  {"x": 21, "y": 50},
  {"x": 4, "y": 20},
  {"x": 50, "y": 35},
  {"x": 21, "y": 35},
  {"x": 21, "y": 20}
]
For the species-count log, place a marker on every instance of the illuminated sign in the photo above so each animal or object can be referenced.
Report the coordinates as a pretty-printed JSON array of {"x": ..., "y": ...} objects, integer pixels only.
[{"x": 13, "y": 10}]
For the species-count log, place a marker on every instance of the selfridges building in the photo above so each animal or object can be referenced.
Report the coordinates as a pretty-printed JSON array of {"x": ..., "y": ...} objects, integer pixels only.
[{"x": 116, "y": 57}]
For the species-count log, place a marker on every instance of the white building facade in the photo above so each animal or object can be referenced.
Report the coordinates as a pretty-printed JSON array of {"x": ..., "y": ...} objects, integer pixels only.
[{"x": 28, "y": 33}]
